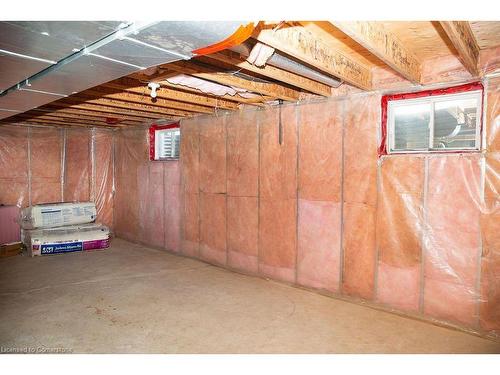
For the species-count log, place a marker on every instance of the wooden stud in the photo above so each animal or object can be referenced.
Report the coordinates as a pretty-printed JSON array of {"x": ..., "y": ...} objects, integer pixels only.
[
  {"x": 465, "y": 43},
  {"x": 301, "y": 44},
  {"x": 385, "y": 45}
]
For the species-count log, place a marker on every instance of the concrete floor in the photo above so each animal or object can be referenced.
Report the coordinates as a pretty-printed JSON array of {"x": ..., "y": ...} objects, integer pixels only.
[{"x": 130, "y": 298}]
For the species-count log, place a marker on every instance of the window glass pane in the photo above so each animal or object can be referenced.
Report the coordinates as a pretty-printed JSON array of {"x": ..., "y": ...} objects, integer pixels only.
[
  {"x": 411, "y": 126},
  {"x": 167, "y": 143},
  {"x": 455, "y": 123}
]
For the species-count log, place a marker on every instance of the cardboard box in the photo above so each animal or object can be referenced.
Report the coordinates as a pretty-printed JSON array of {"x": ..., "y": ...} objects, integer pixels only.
[
  {"x": 66, "y": 239},
  {"x": 10, "y": 249}
]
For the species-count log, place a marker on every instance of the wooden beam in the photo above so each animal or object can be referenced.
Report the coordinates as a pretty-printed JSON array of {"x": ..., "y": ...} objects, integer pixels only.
[
  {"x": 49, "y": 121},
  {"x": 67, "y": 120},
  {"x": 228, "y": 79},
  {"x": 301, "y": 44},
  {"x": 145, "y": 98},
  {"x": 41, "y": 123},
  {"x": 55, "y": 124},
  {"x": 75, "y": 103},
  {"x": 385, "y": 45},
  {"x": 236, "y": 98},
  {"x": 103, "y": 93},
  {"x": 132, "y": 85},
  {"x": 70, "y": 116},
  {"x": 465, "y": 43},
  {"x": 126, "y": 105},
  {"x": 274, "y": 73},
  {"x": 94, "y": 113}
]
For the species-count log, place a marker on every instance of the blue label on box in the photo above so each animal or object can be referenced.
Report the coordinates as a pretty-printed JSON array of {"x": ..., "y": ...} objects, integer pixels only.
[{"x": 56, "y": 248}]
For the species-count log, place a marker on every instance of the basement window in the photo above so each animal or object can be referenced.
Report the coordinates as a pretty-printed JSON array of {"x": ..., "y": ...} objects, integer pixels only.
[
  {"x": 164, "y": 142},
  {"x": 444, "y": 120}
]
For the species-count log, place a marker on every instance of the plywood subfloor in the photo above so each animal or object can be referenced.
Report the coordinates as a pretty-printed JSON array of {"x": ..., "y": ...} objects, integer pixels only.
[{"x": 130, "y": 298}]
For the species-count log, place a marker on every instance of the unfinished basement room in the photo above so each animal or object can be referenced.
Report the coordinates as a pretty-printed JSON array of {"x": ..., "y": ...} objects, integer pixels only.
[{"x": 225, "y": 187}]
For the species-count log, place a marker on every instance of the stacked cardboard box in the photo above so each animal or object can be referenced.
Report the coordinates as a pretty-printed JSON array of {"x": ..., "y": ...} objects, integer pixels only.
[{"x": 62, "y": 228}]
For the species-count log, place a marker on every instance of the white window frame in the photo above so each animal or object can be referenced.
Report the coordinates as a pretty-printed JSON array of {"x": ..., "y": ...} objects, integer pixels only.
[
  {"x": 432, "y": 100},
  {"x": 157, "y": 144}
]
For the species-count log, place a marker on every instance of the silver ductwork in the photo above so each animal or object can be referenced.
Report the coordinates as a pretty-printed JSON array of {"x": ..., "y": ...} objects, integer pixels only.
[
  {"x": 45, "y": 61},
  {"x": 280, "y": 61}
]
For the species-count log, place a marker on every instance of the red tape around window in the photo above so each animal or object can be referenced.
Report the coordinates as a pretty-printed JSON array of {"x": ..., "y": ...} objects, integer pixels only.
[{"x": 382, "y": 149}]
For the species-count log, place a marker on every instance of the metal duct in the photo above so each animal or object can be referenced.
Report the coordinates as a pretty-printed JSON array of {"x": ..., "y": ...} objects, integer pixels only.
[
  {"x": 279, "y": 61},
  {"x": 45, "y": 61}
]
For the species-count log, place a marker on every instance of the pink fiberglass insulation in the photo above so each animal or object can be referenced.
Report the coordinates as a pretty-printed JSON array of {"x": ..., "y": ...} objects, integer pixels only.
[
  {"x": 46, "y": 151},
  {"x": 104, "y": 176},
  {"x": 172, "y": 221},
  {"x": 320, "y": 151},
  {"x": 147, "y": 199},
  {"x": 10, "y": 231},
  {"x": 414, "y": 233},
  {"x": 14, "y": 165},
  {"x": 319, "y": 189},
  {"x": 243, "y": 154},
  {"x": 399, "y": 231},
  {"x": 452, "y": 238},
  {"x": 278, "y": 193},
  {"x": 213, "y": 228},
  {"x": 489, "y": 312},
  {"x": 78, "y": 165},
  {"x": 242, "y": 190},
  {"x": 243, "y": 233},
  {"x": 213, "y": 155},
  {"x": 361, "y": 116},
  {"x": 277, "y": 238},
  {"x": 190, "y": 185},
  {"x": 318, "y": 258},
  {"x": 278, "y": 162}
]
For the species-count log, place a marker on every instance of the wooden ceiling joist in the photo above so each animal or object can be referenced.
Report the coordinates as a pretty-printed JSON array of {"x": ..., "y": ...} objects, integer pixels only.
[
  {"x": 74, "y": 103},
  {"x": 55, "y": 124},
  {"x": 462, "y": 38},
  {"x": 145, "y": 98},
  {"x": 48, "y": 121},
  {"x": 385, "y": 45},
  {"x": 203, "y": 72},
  {"x": 94, "y": 113},
  {"x": 236, "y": 99},
  {"x": 302, "y": 45},
  {"x": 66, "y": 120},
  {"x": 274, "y": 73},
  {"x": 131, "y": 105},
  {"x": 132, "y": 85},
  {"x": 70, "y": 116}
]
